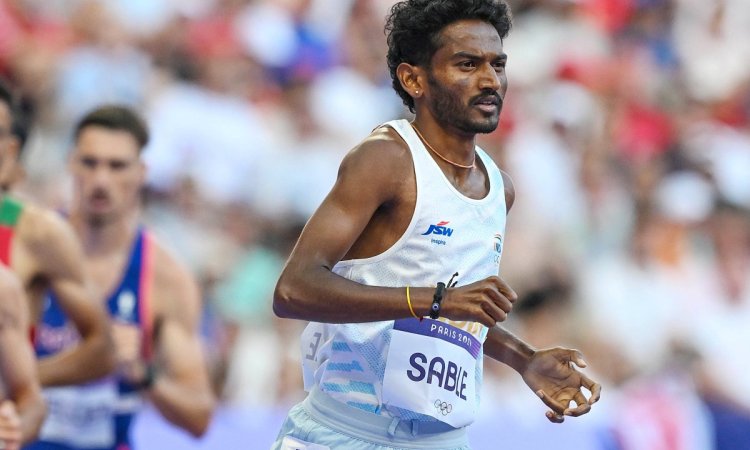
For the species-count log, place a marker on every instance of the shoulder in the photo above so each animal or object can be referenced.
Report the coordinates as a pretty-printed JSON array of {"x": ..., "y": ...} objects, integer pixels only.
[
  {"x": 510, "y": 190},
  {"x": 167, "y": 269},
  {"x": 174, "y": 287},
  {"x": 51, "y": 244},
  {"x": 382, "y": 159},
  {"x": 492, "y": 165},
  {"x": 45, "y": 232},
  {"x": 383, "y": 148}
]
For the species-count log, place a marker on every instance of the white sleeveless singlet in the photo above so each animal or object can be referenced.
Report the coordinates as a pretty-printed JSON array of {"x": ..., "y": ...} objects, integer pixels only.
[{"x": 434, "y": 371}]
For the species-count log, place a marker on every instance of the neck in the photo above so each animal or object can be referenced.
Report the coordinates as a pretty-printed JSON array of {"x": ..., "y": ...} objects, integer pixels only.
[
  {"x": 457, "y": 148},
  {"x": 100, "y": 238}
]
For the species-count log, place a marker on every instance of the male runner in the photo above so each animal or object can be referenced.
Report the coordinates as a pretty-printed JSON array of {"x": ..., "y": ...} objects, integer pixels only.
[
  {"x": 41, "y": 249},
  {"x": 391, "y": 360},
  {"x": 154, "y": 303}
]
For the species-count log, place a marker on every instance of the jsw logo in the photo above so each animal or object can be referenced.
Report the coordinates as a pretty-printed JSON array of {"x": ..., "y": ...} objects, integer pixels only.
[{"x": 439, "y": 229}]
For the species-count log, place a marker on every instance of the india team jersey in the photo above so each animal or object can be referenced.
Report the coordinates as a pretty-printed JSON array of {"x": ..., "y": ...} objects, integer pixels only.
[
  {"x": 423, "y": 370},
  {"x": 96, "y": 415}
]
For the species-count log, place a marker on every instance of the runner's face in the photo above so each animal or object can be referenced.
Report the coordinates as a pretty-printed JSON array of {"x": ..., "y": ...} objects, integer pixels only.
[
  {"x": 107, "y": 172},
  {"x": 466, "y": 79}
]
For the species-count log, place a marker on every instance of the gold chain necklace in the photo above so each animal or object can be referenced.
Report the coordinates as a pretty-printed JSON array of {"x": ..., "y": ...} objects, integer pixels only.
[{"x": 424, "y": 141}]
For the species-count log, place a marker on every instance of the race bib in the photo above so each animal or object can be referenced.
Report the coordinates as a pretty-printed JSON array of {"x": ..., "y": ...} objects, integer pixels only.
[
  {"x": 431, "y": 370},
  {"x": 81, "y": 416}
]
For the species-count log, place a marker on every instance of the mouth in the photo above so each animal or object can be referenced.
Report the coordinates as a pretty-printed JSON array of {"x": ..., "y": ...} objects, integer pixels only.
[
  {"x": 488, "y": 103},
  {"x": 487, "y": 108},
  {"x": 99, "y": 201}
]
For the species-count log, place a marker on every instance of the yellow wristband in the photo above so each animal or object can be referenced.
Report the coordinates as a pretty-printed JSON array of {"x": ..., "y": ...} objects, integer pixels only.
[{"x": 408, "y": 301}]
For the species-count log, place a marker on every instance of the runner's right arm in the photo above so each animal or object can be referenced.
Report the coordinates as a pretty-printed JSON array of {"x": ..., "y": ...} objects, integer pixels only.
[
  {"x": 61, "y": 260},
  {"x": 376, "y": 174}
]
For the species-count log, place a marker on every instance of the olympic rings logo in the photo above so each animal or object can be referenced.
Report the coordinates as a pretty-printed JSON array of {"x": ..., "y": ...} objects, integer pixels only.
[{"x": 444, "y": 408}]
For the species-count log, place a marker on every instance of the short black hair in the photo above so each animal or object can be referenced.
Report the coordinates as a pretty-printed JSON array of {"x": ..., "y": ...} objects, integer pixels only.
[
  {"x": 19, "y": 120},
  {"x": 413, "y": 27},
  {"x": 116, "y": 117}
]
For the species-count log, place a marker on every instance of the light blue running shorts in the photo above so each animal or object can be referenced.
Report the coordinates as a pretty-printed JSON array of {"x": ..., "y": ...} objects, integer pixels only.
[{"x": 322, "y": 423}]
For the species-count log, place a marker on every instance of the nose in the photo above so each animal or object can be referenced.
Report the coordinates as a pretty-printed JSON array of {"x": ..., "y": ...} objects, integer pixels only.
[
  {"x": 490, "y": 79},
  {"x": 100, "y": 175}
]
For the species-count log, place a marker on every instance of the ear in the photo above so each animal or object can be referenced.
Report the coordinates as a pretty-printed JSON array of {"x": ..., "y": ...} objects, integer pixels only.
[
  {"x": 412, "y": 79},
  {"x": 13, "y": 151}
]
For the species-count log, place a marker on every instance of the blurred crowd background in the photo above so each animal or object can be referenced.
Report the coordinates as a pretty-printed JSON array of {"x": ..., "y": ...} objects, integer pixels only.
[{"x": 626, "y": 129}]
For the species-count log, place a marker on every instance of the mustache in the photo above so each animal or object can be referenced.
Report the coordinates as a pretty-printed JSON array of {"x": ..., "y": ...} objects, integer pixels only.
[
  {"x": 99, "y": 193},
  {"x": 490, "y": 95}
]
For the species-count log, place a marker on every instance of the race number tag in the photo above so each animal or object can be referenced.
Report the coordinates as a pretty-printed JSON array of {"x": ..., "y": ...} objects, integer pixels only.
[
  {"x": 81, "y": 416},
  {"x": 431, "y": 370}
]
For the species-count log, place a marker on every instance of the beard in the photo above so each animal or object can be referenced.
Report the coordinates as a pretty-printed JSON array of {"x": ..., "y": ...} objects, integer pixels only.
[
  {"x": 449, "y": 109},
  {"x": 98, "y": 220}
]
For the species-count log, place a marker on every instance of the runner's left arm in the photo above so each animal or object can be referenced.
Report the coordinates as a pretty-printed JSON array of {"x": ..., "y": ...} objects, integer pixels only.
[
  {"x": 181, "y": 390},
  {"x": 550, "y": 373}
]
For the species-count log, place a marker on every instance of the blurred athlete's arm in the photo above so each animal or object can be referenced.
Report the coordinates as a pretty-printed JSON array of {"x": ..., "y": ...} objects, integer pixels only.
[
  {"x": 181, "y": 390},
  {"x": 375, "y": 180},
  {"x": 22, "y": 413},
  {"x": 61, "y": 260}
]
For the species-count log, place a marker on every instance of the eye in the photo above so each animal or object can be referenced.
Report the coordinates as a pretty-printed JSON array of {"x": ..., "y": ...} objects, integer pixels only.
[
  {"x": 118, "y": 165},
  {"x": 88, "y": 162},
  {"x": 499, "y": 65},
  {"x": 468, "y": 64}
]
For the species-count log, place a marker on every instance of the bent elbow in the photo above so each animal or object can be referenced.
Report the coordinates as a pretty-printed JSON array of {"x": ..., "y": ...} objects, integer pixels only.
[
  {"x": 198, "y": 429},
  {"x": 284, "y": 299},
  {"x": 199, "y": 426}
]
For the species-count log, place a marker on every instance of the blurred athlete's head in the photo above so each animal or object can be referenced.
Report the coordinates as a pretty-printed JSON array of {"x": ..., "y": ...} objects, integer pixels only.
[
  {"x": 446, "y": 59},
  {"x": 12, "y": 137},
  {"x": 106, "y": 163}
]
